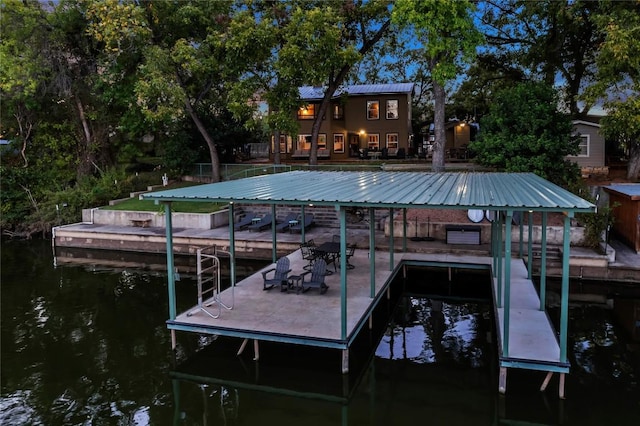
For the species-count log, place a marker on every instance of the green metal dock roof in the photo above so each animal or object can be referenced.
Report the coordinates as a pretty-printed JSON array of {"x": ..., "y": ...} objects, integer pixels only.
[{"x": 447, "y": 190}]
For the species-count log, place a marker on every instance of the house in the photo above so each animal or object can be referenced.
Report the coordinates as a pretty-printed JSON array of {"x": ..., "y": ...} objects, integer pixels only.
[
  {"x": 366, "y": 121},
  {"x": 591, "y": 157},
  {"x": 458, "y": 134}
]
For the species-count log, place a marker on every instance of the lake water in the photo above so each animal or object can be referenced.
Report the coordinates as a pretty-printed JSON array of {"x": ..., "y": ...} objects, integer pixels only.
[{"x": 89, "y": 346}]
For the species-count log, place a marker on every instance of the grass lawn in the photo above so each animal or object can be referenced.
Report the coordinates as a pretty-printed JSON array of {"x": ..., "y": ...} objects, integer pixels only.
[{"x": 135, "y": 204}]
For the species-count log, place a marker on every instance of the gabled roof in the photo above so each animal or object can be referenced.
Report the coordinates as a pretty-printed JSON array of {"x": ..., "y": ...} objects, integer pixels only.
[
  {"x": 309, "y": 93},
  {"x": 491, "y": 191}
]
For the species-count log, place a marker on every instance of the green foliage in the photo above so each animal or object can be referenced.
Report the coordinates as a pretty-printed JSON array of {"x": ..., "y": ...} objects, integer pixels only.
[
  {"x": 525, "y": 132},
  {"x": 595, "y": 224},
  {"x": 178, "y": 155}
]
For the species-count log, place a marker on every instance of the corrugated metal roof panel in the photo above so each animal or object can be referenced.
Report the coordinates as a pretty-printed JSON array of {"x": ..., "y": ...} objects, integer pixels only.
[
  {"x": 519, "y": 191},
  {"x": 310, "y": 93}
]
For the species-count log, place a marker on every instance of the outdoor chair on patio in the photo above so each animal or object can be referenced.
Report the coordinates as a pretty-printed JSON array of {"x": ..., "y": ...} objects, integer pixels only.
[
  {"x": 262, "y": 224},
  {"x": 285, "y": 224},
  {"x": 308, "y": 221},
  {"x": 307, "y": 249},
  {"x": 280, "y": 275},
  {"x": 245, "y": 221},
  {"x": 351, "y": 249},
  {"x": 316, "y": 280}
]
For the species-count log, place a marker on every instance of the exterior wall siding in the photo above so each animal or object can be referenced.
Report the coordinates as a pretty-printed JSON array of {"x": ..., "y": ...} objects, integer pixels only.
[{"x": 596, "y": 157}]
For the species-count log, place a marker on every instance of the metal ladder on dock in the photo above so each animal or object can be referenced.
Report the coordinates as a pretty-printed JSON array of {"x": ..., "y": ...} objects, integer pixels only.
[{"x": 209, "y": 290}]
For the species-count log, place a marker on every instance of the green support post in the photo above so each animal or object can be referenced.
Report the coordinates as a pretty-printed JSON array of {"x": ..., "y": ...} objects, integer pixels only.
[
  {"x": 302, "y": 218},
  {"x": 343, "y": 273},
  {"x": 530, "y": 246},
  {"x": 391, "y": 246},
  {"x": 507, "y": 285},
  {"x": 499, "y": 257},
  {"x": 404, "y": 230},
  {"x": 372, "y": 252},
  {"x": 232, "y": 245},
  {"x": 171, "y": 279},
  {"x": 274, "y": 247},
  {"x": 543, "y": 263},
  {"x": 564, "y": 298}
]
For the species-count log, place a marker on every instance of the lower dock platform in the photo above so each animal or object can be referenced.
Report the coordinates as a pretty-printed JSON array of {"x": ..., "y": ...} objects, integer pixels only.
[{"x": 247, "y": 311}]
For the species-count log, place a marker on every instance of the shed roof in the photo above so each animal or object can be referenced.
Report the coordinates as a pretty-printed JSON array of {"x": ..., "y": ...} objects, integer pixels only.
[{"x": 491, "y": 191}]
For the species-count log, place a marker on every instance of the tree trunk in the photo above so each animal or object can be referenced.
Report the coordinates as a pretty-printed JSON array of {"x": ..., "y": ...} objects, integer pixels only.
[
  {"x": 633, "y": 167},
  {"x": 213, "y": 152},
  {"x": 336, "y": 80},
  {"x": 276, "y": 147},
  {"x": 437, "y": 160},
  {"x": 87, "y": 157}
]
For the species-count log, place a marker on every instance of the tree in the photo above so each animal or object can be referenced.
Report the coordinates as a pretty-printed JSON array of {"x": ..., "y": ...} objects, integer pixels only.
[
  {"x": 449, "y": 37},
  {"x": 555, "y": 41},
  {"x": 525, "y": 132},
  {"x": 618, "y": 79},
  {"x": 182, "y": 71},
  {"x": 342, "y": 32}
]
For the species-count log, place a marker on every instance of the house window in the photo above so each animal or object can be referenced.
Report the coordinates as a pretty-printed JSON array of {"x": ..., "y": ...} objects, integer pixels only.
[
  {"x": 338, "y": 142},
  {"x": 392, "y": 109},
  {"x": 322, "y": 141},
  {"x": 373, "y": 110},
  {"x": 304, "y": 142},
  {"x": 584, "y": 146},
  {"x": 392, "y": 140},
  {"x": 285, "y": 144},
  {"x": 338, "y": 111},
  {"x": 373, "y": 141},
  {"x": 307, "y": 112}
]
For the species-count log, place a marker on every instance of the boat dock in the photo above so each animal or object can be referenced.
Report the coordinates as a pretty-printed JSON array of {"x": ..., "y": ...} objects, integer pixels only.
[{"x": 248, "y": 312}]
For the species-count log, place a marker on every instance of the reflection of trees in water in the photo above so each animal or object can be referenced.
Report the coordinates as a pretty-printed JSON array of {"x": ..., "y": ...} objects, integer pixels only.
[
  {"x": 445, "y": 332},
  {"x": 598, "y": 349}
]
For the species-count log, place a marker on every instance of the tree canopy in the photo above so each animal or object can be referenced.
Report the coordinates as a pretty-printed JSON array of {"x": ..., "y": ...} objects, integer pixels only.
[{"x": 525, "y": 132}]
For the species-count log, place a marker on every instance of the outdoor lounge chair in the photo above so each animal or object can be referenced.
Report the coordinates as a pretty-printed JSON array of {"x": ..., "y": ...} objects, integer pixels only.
[
  {"x": 316, "y": 280},
  {"x": 308, "y": 221},
  {"x": 264, "y": 223},
  {"x": 245, "y": 221},
  {"x": 280, "y": 275},
  {"x": 284, "y": 225}
]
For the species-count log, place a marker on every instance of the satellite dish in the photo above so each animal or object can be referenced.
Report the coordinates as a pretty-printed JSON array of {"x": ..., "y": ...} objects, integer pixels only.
[
  {"x": 490, "y": 215},
  {"x": 475, "y": 216}
]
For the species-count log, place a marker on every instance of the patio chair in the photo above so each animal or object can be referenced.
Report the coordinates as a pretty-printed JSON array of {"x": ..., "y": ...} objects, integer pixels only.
[
  {"x": 280, "y": 275},
  {"x": 265, "y": 222},
  {"x": 284, "y": 225},
  {"x": 351, "y": 249},
  {"x": 308, "y": 221},
  {"x": 245, "y": 221},
  {"x": 316, "y": 280},
  {"x": 308, "y": 254}
]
